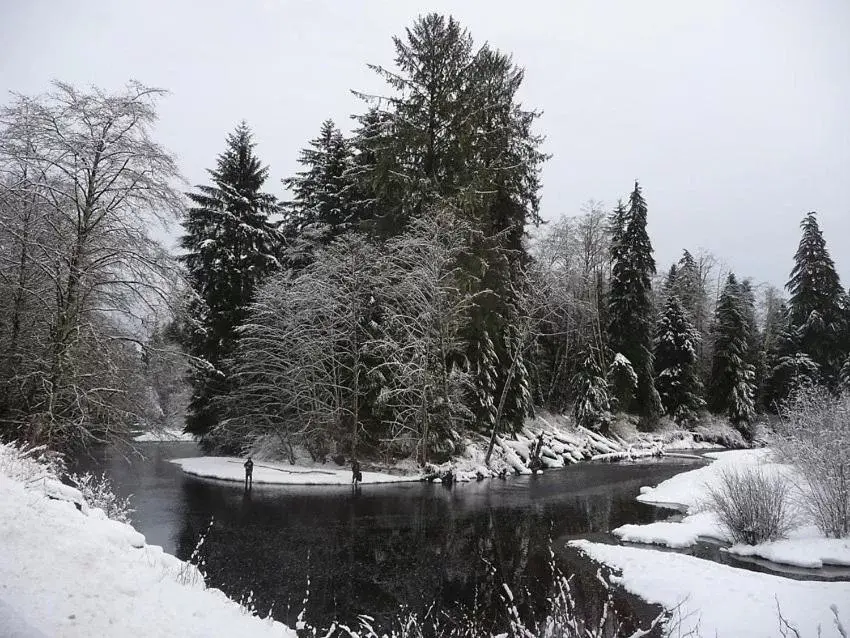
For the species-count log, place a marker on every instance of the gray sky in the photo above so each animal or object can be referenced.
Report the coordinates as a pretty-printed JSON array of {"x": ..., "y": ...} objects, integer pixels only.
[{"x": 734, "y": 115}]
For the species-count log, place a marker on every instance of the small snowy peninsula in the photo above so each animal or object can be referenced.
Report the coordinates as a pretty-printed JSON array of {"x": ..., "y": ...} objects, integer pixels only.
[{"x": 708, "y": 598}]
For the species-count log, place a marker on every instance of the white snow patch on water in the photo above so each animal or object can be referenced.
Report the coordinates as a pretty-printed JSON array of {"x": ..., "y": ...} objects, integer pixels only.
[{"x": 226, "y": 468}]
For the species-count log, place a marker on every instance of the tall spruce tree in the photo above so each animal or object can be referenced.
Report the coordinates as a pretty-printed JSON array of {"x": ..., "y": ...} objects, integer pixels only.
[
  {"x": 732, "y": 387},
  {"x": 230, "y": 245},
  {"x": 815, "y": 302},
  {"x": 324, "y": 198},
  {"x": 677, "y": 381},
  {"x": 452, "y": 133},
  {"x": 630, "y": 329}
]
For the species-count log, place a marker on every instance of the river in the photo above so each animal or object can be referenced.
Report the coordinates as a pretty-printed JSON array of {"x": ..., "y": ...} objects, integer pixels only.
[{"x": 409, "y": 544}]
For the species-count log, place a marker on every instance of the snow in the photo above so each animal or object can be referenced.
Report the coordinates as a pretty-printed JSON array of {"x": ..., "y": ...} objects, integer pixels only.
[
  {"x": 805, "y": 546},
  {"x": 720, "y": 600},
  {"x": 687, "y": 491},
  {"x": 228, "y": 468},
  {"x": 164, "y": 435},
  {"x": 676, "y": 535},
  {"x": 73, "y": 573}
]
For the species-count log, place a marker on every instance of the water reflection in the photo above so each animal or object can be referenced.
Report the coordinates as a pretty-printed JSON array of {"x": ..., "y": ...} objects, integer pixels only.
[{"x": 387, "y": 546}]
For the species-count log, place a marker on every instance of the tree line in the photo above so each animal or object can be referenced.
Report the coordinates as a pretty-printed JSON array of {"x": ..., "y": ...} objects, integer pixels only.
[{"x": 396, "y": 302}]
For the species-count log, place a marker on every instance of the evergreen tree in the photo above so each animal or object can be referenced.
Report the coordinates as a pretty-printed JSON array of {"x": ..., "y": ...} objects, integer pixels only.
[
  {"x": 815, "y": 302},
  {"x": 755, "y": 354},
  {"x": 229, "y": 245},
  {"x": 676, "y": 343},
  {"x": 774, "y": 343},
  {"x": 622, "y": 382},
  {"x": 453, "y": 134},
  {"x": 630, "y": 301},
  {"x": 592, "y": 407},
  {"x": 732, "y": 388},
  {"x": 670, "y": 281},
  {"x": 324, "y": 199}
]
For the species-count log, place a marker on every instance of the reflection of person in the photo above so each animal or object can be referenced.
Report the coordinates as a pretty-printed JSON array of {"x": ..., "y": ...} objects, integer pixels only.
[
  {"x": 249, "y": 474},
  {"x": 356, "y": 475}
]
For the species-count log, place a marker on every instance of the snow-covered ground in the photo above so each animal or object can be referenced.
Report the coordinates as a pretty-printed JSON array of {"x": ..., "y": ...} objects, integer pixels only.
[
  {"x": 719, "y": 600},
  {"x": 228, "y": 468},
  {"x": 166, "y": 434},
  {"x": 66, "y": 570},
  {"x": 804, "y": 547}
]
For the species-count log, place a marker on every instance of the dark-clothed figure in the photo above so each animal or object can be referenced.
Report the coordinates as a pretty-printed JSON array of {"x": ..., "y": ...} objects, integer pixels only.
[
  {"x": 249, "y": 474},
  {"x": 356, "y": 475}
]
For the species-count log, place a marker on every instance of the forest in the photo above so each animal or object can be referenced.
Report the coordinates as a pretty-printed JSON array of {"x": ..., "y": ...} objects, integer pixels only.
[{"x": 405, "y": 294}]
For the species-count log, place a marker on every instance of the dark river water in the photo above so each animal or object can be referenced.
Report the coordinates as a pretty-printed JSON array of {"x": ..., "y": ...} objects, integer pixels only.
[{"x": 409, "y": 545}]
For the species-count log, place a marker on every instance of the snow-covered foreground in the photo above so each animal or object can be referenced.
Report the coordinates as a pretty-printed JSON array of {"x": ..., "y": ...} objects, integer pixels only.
[
  {"x": 718, "y": 600},
  {"x": 227, "y": 468},
  {"x": 804, "y": 547},
  {"x": 72, "y": 572}
]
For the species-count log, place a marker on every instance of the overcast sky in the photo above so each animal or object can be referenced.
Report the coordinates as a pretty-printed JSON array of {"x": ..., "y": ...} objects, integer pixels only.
[{"x": 734, "y": 115}]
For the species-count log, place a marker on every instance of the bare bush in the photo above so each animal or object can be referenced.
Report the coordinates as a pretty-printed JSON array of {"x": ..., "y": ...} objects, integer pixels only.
[
  {"x": 752, "y": 506},
  {"x": 814, "y": 437},
  {"x": 21, "y": 462},
  {"x": 97, "y": 492}
]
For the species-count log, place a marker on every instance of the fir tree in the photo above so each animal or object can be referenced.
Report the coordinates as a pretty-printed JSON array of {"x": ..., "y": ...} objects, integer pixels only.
[
  {"x": 622, "y": 381},
  {"x": 229, "y": 245},
  {"x": 592, "y": 407},
  {"x": 732, "y": 387},
  {"x": 453, "y": 134},
  {"x": 774, "y": 345},
  {"x": 324, "y": 199},
  {"x": 676, "y": 343},
  {"x": 815, "y": 302},
  {"x": 630, "y": 301}
]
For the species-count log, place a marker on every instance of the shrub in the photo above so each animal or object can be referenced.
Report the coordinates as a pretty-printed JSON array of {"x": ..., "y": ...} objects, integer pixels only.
[
  {"x": 24, "y": 463},
  {"x": 752, "y": 506},
  {"x": 97, "y": 492},
  {"x": 814, "y": 437}
]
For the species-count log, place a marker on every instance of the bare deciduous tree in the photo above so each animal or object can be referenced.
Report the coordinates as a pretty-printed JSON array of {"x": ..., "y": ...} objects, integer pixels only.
[{"x": 82, "y": 187}]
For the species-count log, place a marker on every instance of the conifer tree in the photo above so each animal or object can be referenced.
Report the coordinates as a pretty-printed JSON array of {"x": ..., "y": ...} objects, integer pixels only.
[
  {"x": 630, "y": 301},
  {"x": 452, "y": 133},
  {"x": 676, "y": 344},
  {"x": 592, "y": 407},
  {"x": 323, "y": 204},
  {"x": 229, "y": 245},
  {"x": 732, "y": 387},
  {"x": 815, "y": 302}
]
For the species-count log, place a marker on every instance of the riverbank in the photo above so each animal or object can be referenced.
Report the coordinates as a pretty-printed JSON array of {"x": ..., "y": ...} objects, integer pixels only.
[
  {"x": 720, "y": 599},
  {"x": 66, "y": 570},
  {"x": 563, "y": 444}
]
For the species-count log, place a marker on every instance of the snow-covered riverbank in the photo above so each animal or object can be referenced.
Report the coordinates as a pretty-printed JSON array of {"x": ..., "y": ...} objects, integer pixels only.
[
  {"x": 719, "y": 598},
  {"x": 804, "y": 547},
  {"x": 66, "y": 570},
  {"x": 563, "y": 444}
]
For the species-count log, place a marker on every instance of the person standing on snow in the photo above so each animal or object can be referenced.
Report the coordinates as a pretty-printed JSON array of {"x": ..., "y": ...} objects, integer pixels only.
[
  {"x": 356, "y": 475},
  {"x": 249, "y": 474}
]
